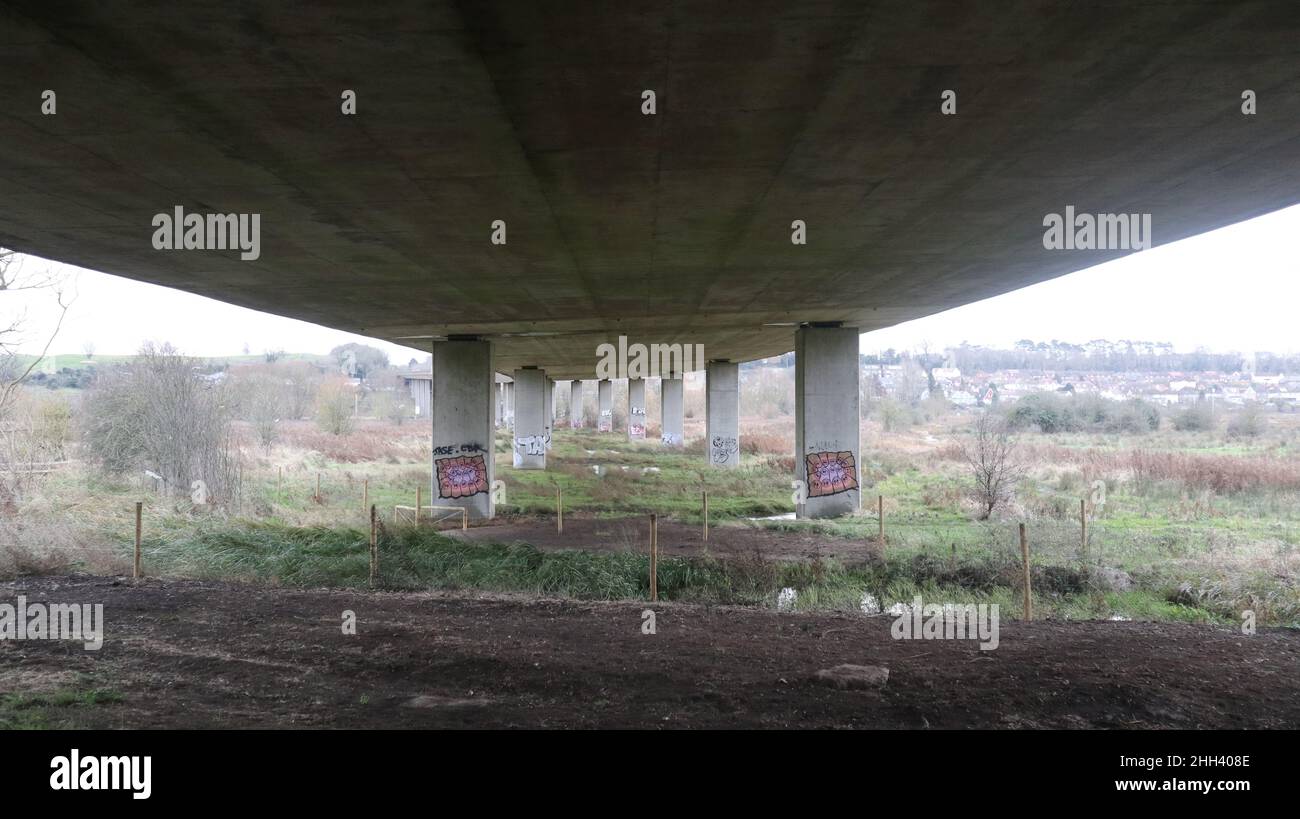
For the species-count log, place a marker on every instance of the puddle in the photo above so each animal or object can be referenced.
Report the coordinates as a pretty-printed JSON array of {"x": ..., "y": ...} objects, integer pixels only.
[{"x": 786, "y": 516}]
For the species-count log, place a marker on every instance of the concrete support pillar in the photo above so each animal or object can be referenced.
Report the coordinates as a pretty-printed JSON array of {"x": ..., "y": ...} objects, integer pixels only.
[
  {"x": 670, "y": 394},
  {"x": 549, "y": 403},
  {"x": 722, "y": 413},
  {"x": 529, "y": 440},
  {"x": 461, "y": 394},
  {"x": 575, "y": 404},
  {"x": 636, "y": 409},
  {"x": 499, "y": 394},
  {"x": 605, "y": 404},
  {"x": 826, "y": 423},
  {"x": 510, "y": 404}
]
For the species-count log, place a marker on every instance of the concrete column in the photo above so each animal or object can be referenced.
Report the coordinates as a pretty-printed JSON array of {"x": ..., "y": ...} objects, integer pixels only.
[
  {"x": 461, "y": 394},
  {"x": 529, "y": 442},
  {"x": 499, "y": 403},
  {"x": 575, "y": 404},
  {"x": 636, "y": 409},
  {"x": 605, "y": 404},
  {"x": 826, "y": 424},
  {"x": 670, "y": 394},
  {"x": 510, "y": 404},
  {"x": 722, "y": 413},
  {"x": 549, "y": 404}
]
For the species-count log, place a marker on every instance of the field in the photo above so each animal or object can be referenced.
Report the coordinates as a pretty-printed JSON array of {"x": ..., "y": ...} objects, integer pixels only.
[
  {"x": 1193, "y": 528},
  {"x": 219, "y": 655},
  {"x": 514, "y": 623}
]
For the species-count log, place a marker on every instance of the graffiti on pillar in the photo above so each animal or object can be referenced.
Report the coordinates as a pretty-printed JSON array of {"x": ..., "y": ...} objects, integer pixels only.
[
  {"x": 606, "y": 422},
  {"x": 575, "y": 422},
  {"x": 458, "y": 449},
  {"x": 636, "y": 422},
  {"x": 721, "y": 448},
  {"x": 671, "y": 439},
  {"x": 830, "y": 473},
  {"x": 461, "y": 476},
  {"x": 532, "y": 444}
]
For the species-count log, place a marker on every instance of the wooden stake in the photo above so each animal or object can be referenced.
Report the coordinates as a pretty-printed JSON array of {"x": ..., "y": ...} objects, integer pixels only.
[
  {"x": 279, "y": 477},
  {"x": 365, "y": 494},
  {"x": 1083, "y": 528},
  {"x": 654, "y": 558},
  {"x": 559, "y": 511},
  {"x": 1024, "y": 558},
  {"x": 464, "y": 519},
  {"x": 706, "y": 515},
  {"x": 318, "y": 487},
  {"x": 880, "y": 513},
  {"x": 374, "y": 546},
  {"x": 418, "y": 501},
  {"x": 139, "y": 508}
]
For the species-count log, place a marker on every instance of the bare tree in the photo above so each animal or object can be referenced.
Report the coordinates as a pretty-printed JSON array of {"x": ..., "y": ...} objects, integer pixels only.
[
  {"x": 992, "y": 456},
  {"x": 263, "y": 401},
  {"x": 13, "y": 369},
  {"x": 22, "y": 445},
  {"x": 335, "y": 401},
  {"x": 161, "y": 414}
]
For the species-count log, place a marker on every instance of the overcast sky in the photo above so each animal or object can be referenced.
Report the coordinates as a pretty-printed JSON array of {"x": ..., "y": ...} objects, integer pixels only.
[{"x": 1235, "y": 289}]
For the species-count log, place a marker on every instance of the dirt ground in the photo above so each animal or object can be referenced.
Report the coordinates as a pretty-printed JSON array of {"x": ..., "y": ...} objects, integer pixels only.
[
  {"x": 209, "y": 654},
  {"x": 632, "y": 534}
]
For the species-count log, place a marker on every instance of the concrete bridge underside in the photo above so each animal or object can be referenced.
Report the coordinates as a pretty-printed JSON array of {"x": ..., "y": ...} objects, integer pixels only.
[
  {"x": 671, "y": 227},
  {"x": 528, "y": 124}
]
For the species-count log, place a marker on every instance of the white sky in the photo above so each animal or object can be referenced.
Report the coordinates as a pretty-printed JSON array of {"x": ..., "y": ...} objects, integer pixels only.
[{"x": 1234, "y": 289}]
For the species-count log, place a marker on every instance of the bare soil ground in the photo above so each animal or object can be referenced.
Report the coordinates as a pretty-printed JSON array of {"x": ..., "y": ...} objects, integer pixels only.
[
  {"x": 632, "y": 534},
  {"x": 217, "y": 654}
]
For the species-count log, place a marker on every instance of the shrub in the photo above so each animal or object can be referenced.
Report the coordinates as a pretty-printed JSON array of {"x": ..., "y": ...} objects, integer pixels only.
[
  {"x": 1248, "y": 423},
  {"x": 335, "y": 402},
  {"x": 1196, "y": 418},
  {"x": 159, "y": 413}
]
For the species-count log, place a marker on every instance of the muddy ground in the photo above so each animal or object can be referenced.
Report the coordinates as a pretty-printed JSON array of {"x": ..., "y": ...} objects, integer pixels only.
[
  {"x": 632, "y": 534},
  {"x": 216, "y": 654}
]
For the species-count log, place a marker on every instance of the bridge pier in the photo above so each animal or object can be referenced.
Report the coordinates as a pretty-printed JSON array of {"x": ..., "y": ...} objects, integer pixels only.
[
  {"x": 529, "y": 443},
  {"x": 605, "y": 404},
  {"x": 510, "y": 405},
  {"x": 722, "y": 413},
  {"x": 575, "y": 404},
  {"x": 636, "y": 409},
  {"x": 826, "y": 420},
  {"x": 548, "y": 402},
  {"x": 670, "y": 403},
  {"x": 461, "y": 401}
]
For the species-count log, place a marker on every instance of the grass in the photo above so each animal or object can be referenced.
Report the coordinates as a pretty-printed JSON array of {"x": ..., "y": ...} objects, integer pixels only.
[
  {"x": 1191, "y": 553},
  {"x": 61, "y": 708},
  {"x": 422, "y": 558}
]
